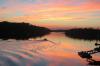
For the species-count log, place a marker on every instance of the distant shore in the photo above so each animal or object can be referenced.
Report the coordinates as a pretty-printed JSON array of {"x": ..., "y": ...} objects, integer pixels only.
[
  {"x": 21, "y": 31},
  {"x": 83, "y": 33}
]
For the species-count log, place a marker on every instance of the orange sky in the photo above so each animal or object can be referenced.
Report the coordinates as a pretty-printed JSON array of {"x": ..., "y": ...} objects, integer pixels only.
[{"x": 52, "y": 13}]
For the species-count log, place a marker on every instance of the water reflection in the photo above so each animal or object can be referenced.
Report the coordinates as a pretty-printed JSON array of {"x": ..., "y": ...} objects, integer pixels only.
[
  {"x": 88, "y": 55},
  {"x": 57, "y": 50},
  {"x": 23, "y": 53}
]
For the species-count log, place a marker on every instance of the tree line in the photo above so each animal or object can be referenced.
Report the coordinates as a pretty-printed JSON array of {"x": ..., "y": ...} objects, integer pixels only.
[
  {"x": 84, "y": 33},
  {"x": 14, "y": 30}
]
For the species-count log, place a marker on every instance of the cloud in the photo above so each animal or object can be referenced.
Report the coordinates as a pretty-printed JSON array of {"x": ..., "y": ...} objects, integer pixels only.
[{"x": 49, "y": 10}]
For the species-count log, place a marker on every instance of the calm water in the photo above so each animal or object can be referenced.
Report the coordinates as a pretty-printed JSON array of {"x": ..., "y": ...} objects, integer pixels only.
[{"x": 58, "y": 51}]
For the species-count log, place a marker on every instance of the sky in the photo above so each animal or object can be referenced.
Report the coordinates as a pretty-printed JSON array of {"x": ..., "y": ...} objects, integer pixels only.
[{"x": 55, "y": 14}]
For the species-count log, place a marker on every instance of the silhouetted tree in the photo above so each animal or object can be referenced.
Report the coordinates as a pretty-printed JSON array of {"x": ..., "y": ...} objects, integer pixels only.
[
  {"x": 23, "y": 31},
  {"x": 84, "y": 33},
  {"x": 88, "y": 55}
]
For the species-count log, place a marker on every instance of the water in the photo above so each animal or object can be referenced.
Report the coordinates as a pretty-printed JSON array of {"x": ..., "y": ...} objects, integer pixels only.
[{"x": 58, "y": 51}]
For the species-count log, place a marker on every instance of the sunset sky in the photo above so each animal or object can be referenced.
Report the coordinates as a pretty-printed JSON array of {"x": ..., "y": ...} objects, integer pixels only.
[{"x": 52, "y": 13}]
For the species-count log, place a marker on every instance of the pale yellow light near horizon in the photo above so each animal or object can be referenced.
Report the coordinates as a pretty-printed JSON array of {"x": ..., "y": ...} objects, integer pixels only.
[{"x": 51, "y": 13}]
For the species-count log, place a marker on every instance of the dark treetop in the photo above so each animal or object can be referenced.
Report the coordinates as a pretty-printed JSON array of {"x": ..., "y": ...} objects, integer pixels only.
[
  {"x": 23, "y": 31},
  {"x": 84, "y": 33}
]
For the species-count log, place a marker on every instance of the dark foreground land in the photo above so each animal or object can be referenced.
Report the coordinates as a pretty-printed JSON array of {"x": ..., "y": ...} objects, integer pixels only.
[
  {"x": 21, "y": 31},
  {"x": 84, "y": 33}
]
